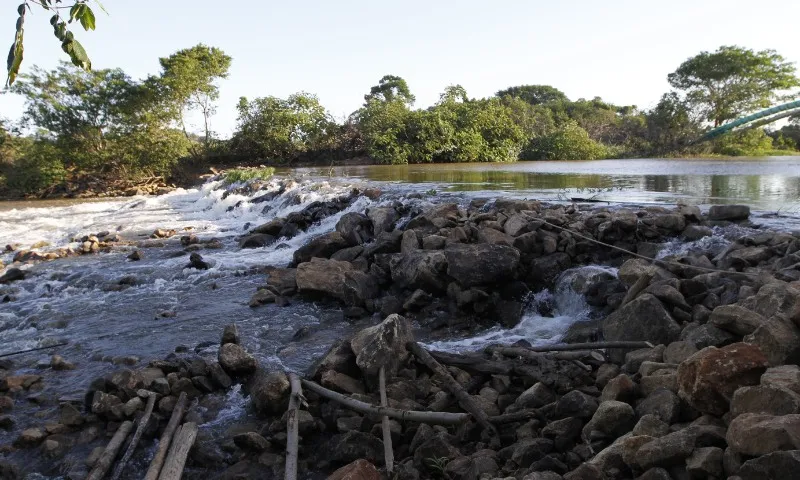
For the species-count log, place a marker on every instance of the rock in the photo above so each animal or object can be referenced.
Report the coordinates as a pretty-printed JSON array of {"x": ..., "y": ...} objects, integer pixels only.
[
  {"x": 619, "y": 388},
  {"x": 528, "y": 450},
  {"x": 419, "y": 269},
  {"x": 269, "y": 392},
  {"x": 492, "y": 236},
  {"x": 672, "y": 222},
  {"x": 70, "y": 416},
  {"x": 135, "y": 256},
  {"x": 677, "y": 352},
  {"x": 544, "y": 270},
  {"x": 695, "y": 232},
  {"x": 563, "y": 432},
  {"x": 235, "y": 359},
  {"x": 251, "y": 441},
  {"x": 765, "y": 399},
  {"x": 481, "y": 264},
  {"x": 30, "y": 438},
  {"x": 272, "y": 228},
  {"x": 323, "y": 276},
  {"x": 351, "y": 446},
  {"x": 736, "y": 319},
  {"x": 585, "y": 471},
  {"x": 779, "y": 339},
  {"x": 321, "y": 247},
  {"x": 644, "y": 318},
  {"x": 341, "y": 383},
  {"x": 705, "y": 463},
  {"x": 757, "y": 434},
  {"x": 611, "y": 420},
  {"x": 161, "y": 386},
  {"x": 382, "y": 345},
  {"x": 650, "y": 383},
  {"x": 196, "y": 261},
  {"x": 359, "y": 288},
  {"x": 256, "y": 240},
  {"x": 536, "y": 396},
  {"x": 283, "y": 280},
  {"x": 702, "y": 336},
  {"x": 662, "y": 403},
  {"x": 729, "y": 212},
  {"x": 134, "y": 405},
  {"x": 409, "y": 241},
  {"x": 6, "y": 404},
  {"x": 630, "y": 271},
  {"x": 339, "y": 358},
  {"x": 784, "y": 376},
  {"x": 230, "y": 334},
  {"x": 433, "y": 242},
  {"x": 708, "y": 379},
  {"x": 667, "y": 451},
  {"x": 651, "y": 426},
  {"x": 577, "y": 404},
  {"x": 57, "y": 362},
  {"x": 355, "y": 228},
  {"x": 634, "y": 359},
  {"x": 772, "y": 466},
  {"x": 358, "y": 470},
  {"x": 383, "y": 218},
  {"x": 12, "y": 275}
]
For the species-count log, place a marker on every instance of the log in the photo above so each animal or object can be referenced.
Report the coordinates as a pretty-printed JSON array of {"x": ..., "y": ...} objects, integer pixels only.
[
  {"x": 579, "y": 346},
  {"x": 110, "y": 453},
  {"x": 166, "y": 439},
  {"x": 431, "y": 418},
  {"x": 520, "y": 416},
  {"x": 178, "y": 452},
  {"x": 473, "y": 362},
  {"x": 640, "y": 284},
  {"x": 292, "y": 436},
  {"x": 529, "y": 354},
  {"x": 464, "y": 399},
  {"x": 151, "y": 401},
  {"x": 388, "y": 453}
]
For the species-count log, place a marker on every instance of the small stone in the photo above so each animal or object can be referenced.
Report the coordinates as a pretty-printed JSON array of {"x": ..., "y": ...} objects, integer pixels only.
[
  {"x": 251, "y": 441},
  {"x": 30, "y": 437},
  {"x": 6, "y": 404},
  {"x": 705, "y": 463},
  {"x": 57, "y": 362},
  {"x": 70, "y": 416}
]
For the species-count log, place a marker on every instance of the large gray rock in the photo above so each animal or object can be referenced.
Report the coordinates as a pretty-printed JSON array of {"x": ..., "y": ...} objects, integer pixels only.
[
  {"x": 323, "y": 276},
  {"x": 779, "y": 339},
  {"x": 772, "y": 466},
  {"x": 419, "y": 269},
  {"x": 611, "y": 420},
  {"x": 481, "y": 264},
  {"x": 544, "y": 270},
  {"x": 355, "y": 228},
  {"x": 736, "y": 319},
  {"x": 729, "y": 212},
  {"x": 382, "y": 345},
  {"x": 235, "y": 359},
  {"x": 321, "y": 247},
  {"x": 359, "y": 287},
  {"x": 645, "y": 318},
  {"x": 662, "y": 403},
  {"x": 269, "y": 391},
  {"x": 784, "y": 376},
  {"x": 771, "y": 400},
  {"x": 776, "y": 298},
  {"x": 383, "y": 218},
  {"x": 283, "y": 280},
  {"x": 757, "y": 434}
]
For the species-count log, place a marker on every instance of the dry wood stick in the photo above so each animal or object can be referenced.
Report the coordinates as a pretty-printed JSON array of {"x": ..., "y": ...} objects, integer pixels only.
[
  {"x": 431, "y": 418},
  {"x": 464, "y": 399},
  {"x": 166, "y": 439},
  {"x": 110, "y": 453},
  {"x": 640, "y": 284},
  {"x": 151, "y": 401},
  {"x": 290, "y": 471},
  {"x": 388, "y": 453},
  {"x": 178, "y": 451},
  {"x": 473, "y": 362},
  {"x": 577, "y": 346}
]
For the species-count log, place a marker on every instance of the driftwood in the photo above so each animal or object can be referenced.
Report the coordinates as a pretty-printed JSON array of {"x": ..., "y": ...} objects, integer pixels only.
[
  {"x": 572, "y": 356},
  {"x": 579, "y": 346},
  {"x": 178, "y": 452},
  {"x": 388, "y": 453},
  {"x": 33, "y": 349},
  {"x": 443, "y": 402},
  {"x": 151, "y": 401},
  {"x": 464, "y": 399},
  {"x": 431, "y": 418},
  {"x": 110, "y": 453},
  {"x": 166, "y": 439},
  {"x": 290, "y": 471},
  {"x": 640, "y": 284},
  {"x": 473, "y": 362},
  {"x": 520, "y": 416}
]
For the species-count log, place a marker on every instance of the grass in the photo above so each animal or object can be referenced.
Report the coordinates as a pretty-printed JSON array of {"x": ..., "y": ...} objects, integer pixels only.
[{"x": 241, "y": 175}]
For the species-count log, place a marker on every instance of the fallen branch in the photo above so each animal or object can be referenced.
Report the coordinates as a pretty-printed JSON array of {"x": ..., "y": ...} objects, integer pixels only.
[
  {"x": 178, "y": 452},
  {"x": 641, "y": 283},
  {"x": 464, "y": 399},
  {"x": 388, "y": 453},
  {"x": 431, "y": 418},
  {"x": 110, "y": 453},
  {"x": 473, "y": 362},
  {"x": 151, "y": 401},
  {"x": 290, "y": 472},
  {"x": 525, "y": 352},
  {"x": 166, "y": 439},
  {"x": 33, "y": 349},
  {"x": 443, "y": 402},
  {"x": 580, "y": 346}
]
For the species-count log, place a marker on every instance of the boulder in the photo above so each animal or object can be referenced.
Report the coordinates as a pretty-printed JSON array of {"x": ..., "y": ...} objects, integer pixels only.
[
  {"x": 235, "y": 360},
  {"x": 251, "y": 441},
  {"x": 611, "y": 420},
  {"x": 672, "y": 222},
  {"x": 353, "y": 445},
  {"x": 283, "y": 280},
  {"x": 341, "y": 382},
  {"x": 481, "y": 264},
  {"x": 644, "y": 318},
  {"x": 736, "y": 319},
  {"x": 382, "y": 345},
  {"x": 323, "y": 276},
  {"x": 620, "y": 388},
  {"x": 782, "y": 465},
  {"x": 731, "y": 213},
  {"x": 269, "y": 391},
  {"x": 673, "y": 449},
  {"x": 196, "y": 261},
  {"x": 272, "y": 228},
  {"x": 322, "y": 247},
  {"x": 576, "y": 404},
  {"x": 757, "y": 434},
  {"x": 770, "y": 400},
  {"x": 784, "y": 376},
  {"x": 651, "y": 426},
  {"x": 358, "y": 470},
  {"x": 383, "y": 218},
  {"x": 355, "y": 228},
  {"x": 662, "y": 403},
  {"x": 705, "y": 462},
  {"x": 230, "y": 334},
  {"x": 359, "y": 287},
  {"x": 695, "y": 232},
  {"x": 419, "y": 269},
  {"x": 256, "y": 240},
  {"x": 779, "y": 339},
  {"x": 544, "y": 270},
  {"x": 12, "y": 275},
  {"x": 536, "y": 396},
  {"x": 708, "y": 379},
  {"x": 776, "y": 299},
  {"x": 630, "y": 271}
]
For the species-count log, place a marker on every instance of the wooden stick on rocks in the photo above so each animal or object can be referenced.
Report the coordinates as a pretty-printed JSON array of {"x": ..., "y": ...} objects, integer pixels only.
[
  {"x": 290, "y": 472},
  {"x": 166, "y": 438},
  {"x": 178, "y": 452},
  {"x": 464, "y": 399},
  {"x": 388, "y": 453},
  {"x": 110, "y": 453},
  {"x": 151, "y": 401}
]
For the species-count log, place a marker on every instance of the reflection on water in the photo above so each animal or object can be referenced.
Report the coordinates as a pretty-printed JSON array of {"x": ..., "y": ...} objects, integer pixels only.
[{"x": 769, "y": 183}]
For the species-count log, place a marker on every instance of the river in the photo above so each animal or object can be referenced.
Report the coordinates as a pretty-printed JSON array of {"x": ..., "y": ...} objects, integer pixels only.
[{"x": 79, "y": 300}]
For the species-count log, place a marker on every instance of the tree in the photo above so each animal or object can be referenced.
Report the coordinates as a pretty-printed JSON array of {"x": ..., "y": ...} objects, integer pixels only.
[
  {"x": 732, "y": 81},
  {"x": 670, "y": 124},
  {"x": 390, "y": 88},
  {"x": 535, "y": 94},
  {"x": 568, "y": 143},
  {"x": 189, "y": 77},
  {"x": 453, "y": 93},
  {"x": 79, "y": 11}
]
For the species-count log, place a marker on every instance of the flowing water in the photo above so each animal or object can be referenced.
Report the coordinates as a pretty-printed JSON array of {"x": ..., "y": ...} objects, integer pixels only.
[{"x": 80, "y": 300}]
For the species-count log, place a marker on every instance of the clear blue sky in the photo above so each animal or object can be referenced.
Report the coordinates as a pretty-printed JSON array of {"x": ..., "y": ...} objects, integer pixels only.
[{"x": 619, "y": 50}]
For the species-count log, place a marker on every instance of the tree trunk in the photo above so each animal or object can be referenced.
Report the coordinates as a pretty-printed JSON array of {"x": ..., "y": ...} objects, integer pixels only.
[
  {"x": 110, "y": 453},
  {"x": 181, "y": 445},
  {"x": 151, "y": 401},
  {"x": 166, "y": 439}
]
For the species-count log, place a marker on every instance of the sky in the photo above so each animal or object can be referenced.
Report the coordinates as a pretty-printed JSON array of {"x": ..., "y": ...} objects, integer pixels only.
[{"x": 619, "y": 50}]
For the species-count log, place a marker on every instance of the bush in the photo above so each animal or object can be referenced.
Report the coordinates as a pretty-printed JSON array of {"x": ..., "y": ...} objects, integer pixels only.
[
  {"x": 240, "y": 175},
  {"x": 39, "y": 167},
  {"x": 754, "y": 141},
  {"x": 569, "y": 143}
]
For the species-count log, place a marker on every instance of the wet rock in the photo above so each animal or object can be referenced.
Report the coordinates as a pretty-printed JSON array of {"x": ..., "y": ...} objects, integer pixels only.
[
  {"x": 695, "y": 232},
  {"x": 355, "y": 228},
  {"x": 630, "y": 271},
  {"x": 135, "y": 256},
  {"x": 729, "y": 212},
  {"x": 358, "y": 470},
  {"x": 611, "y": 420},
  {"x": 383, "y": 218},
  {"x": 70, "y": 416},
  {"x": 756, "y": 434},
  {"x": 196, "y": 261},
  {"x": 709, "y": 378},
  {"x": 419, "y": 269},
  {"x": 283, "y": 280},
  {"x": 262, "y": 296},
  {"x": 765, "y": 399},
  {"x": 481, "y": 264},
  {"x": 6, "y": 404},
  {"x": 257, "y": 240},
  {"x": 12, "y": 275},
  {"x": 269, "y": 391},
  {"x": 7, "y": 422},
  {"x": 30, "y": 438},
  {"x": 382, "y": 345},
  {"x": 644, "y": 318},
  {"x": 323, "y": 276},
  {"x": 235, "y": 359},
  {"x": 544, "y": 270},
  {"x": 321, "y": 247},
  {"x": 672, "y": 222},
  {"x": 251, "y": 441},
  {"x": 772, "y": 466},
  {"x": 359, "y": 288},
  {"x": 230, "y": 334}
]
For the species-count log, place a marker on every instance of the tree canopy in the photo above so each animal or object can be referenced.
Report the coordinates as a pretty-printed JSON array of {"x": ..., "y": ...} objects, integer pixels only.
[
  {"x": 390, "y": 88},
  {"x": 535, "y": 94}
]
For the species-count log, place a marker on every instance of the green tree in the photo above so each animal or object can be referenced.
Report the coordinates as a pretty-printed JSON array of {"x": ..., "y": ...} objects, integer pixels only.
[
  {"x": 389, "y": 89},
  {"x": 189, "y": 78},
  {"x": 79, "y": 11},
  {"x": 732, "y": 81},
  {"x": 535, "y": 94},
  {"x": 383, "y": 128},
  {"x": 670, "y": 124},
  {"x": 568, "y": 143}
]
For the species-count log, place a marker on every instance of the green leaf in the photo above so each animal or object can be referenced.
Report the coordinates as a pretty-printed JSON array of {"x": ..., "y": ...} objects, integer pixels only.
[
  {"x": 87, "y": 18},
  {"x": 77, "y": 54},
  {"x": 54, "y": 20},
  {"x": 14, "y": 59},
  {"x": 101, "y": 6},
  {"x": 75, "y": 11},
  {"x": 21, "y": 9}
]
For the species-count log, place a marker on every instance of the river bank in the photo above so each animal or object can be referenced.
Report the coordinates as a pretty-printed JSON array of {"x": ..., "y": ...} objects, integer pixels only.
[{"x": 462, "y": 276}]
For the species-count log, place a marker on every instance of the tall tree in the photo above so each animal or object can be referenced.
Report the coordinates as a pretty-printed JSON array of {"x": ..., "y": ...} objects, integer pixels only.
[
  {"x": 190, "y": 79},
  {"x": 390, "y": 88},
  {"x": 535, "y": 94},
  {"x": 732, "y": 81}
]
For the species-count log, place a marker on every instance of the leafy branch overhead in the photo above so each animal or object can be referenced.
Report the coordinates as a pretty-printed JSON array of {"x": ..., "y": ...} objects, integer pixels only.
[{"x": 79, "y": 12}]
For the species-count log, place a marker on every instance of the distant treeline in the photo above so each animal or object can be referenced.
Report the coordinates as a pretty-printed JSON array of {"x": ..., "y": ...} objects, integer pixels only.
[{"x": 106, "y": 124}]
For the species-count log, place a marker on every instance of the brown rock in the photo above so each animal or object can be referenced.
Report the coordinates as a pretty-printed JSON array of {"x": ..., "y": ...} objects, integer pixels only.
[
  {"x": 358, "y": 470},
  {"x": 757, "y": 434},
  {"x": 765, "y": 399}
]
